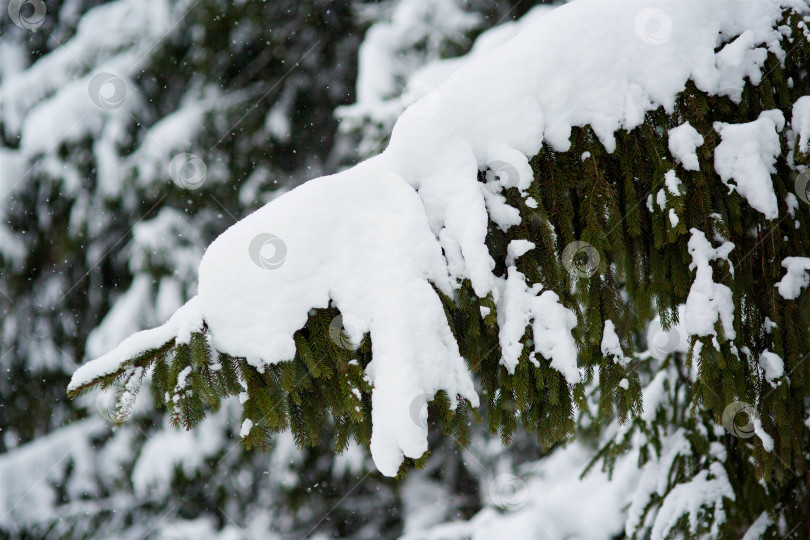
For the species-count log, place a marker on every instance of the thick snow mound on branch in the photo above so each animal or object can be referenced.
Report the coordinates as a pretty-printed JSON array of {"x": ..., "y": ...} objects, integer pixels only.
[
  {"x": 796, "y": 278},
  {"x": 551, "y": 325},
  {"x": 801, "y": 122},
  {"x": 375, "y": 261},
  {"x": 708, "y": 301},
  {"x": 683, "y": 140},
  {"x": 747, "y": 155},
  {"x": 374, "y": 239}
]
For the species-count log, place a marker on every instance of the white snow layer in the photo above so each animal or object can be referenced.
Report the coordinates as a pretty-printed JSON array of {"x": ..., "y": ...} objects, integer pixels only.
[
  {"x": 708, "y": 301},
  {"x": 747, "y": 155},
  {"x": 690, "y": 497},
  {"x": 380, "y": 54},
  {"x": 611, "y": 346},
  {"x": 800, "y": 122},
  {"x": 374, "y": 238},
  {"x": 169, "y": 448},
  {"x": 48, "y": 102},
  {"x": 758, "y": 528},
  {"x": 773, "y": 366},
  {"x": 521, "y": 305},
  {"x": 186, "y": 320},
  {"x": 683, "y": 140},
  {"x": 28, "y": 472},
  {"x": 796, "y": 279},
  {"x": 654, "y": 475},
  {"x": 550, "y": 500}
]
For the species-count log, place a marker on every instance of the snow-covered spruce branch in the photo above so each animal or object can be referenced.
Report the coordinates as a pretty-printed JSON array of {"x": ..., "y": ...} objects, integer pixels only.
[{"x": 498, "y": 239}]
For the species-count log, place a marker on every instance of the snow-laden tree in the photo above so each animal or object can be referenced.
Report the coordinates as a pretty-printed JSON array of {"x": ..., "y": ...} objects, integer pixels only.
[
  {"x": 133, "y": 133},
  {"x": 617, "y": 173}
]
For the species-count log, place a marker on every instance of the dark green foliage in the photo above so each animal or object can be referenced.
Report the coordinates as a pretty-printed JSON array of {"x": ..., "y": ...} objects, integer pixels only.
[{"x": 726, "y": 371}]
